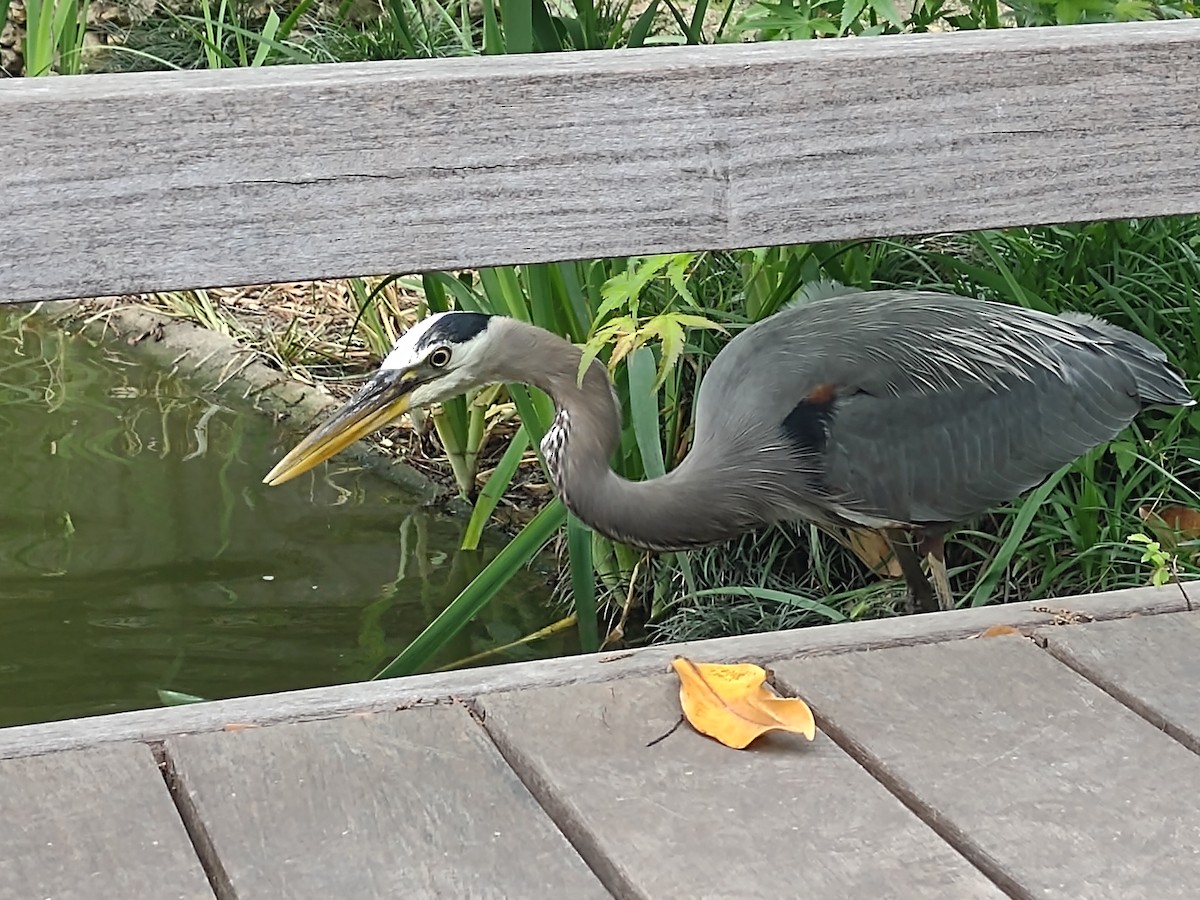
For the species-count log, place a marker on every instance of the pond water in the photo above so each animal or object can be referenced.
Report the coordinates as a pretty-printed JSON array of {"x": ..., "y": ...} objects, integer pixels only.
[{"x": 140, "y": 553}]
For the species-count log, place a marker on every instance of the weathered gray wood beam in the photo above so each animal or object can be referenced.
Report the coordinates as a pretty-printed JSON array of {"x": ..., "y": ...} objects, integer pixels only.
[{"x": 118, "y": 183}]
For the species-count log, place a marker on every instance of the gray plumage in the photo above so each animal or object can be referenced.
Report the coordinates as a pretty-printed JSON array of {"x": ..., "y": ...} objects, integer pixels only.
[
  {"x": 901, "y": 410},
  {"x": 941, "y": 408}
]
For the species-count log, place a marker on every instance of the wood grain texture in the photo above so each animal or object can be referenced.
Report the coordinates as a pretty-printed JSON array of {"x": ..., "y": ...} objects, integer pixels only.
[
  {"x": 688, "y": 817},
  {"x": 414, "y": 804},
  {"x": 321, "y": 703},
  {"x": 1040, "y": 774},
  {"x": 93, "y": 825},
  {"x": 118, "y": 183},
  {"x": 1149, "y": 665}
]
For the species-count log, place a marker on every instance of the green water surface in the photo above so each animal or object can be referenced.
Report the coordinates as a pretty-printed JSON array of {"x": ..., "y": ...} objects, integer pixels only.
[{"x": 140, "y": 553}]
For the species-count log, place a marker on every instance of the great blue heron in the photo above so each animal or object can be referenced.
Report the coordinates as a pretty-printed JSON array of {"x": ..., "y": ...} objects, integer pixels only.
[{"x": 906, "y": 411}]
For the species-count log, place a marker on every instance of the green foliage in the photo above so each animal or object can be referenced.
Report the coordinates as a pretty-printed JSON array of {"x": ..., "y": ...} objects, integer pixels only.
[
  {"x": 54, "y": 35},
  {"x": 1065, "y": 537},
  {"x": 478, "y": 593},
  {"x": 226, "y": 38},
  {"x": 801, "y": 19},
  {"x": 657, "y": 321},
  {"x": 1162, "y": 564},
  {"x": 223, "y": 34}
]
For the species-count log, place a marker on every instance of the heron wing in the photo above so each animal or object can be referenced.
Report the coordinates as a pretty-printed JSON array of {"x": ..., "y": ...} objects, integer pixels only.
[
  {"x": 947, "y": 455},
  {"x": 919, "y": 407}
]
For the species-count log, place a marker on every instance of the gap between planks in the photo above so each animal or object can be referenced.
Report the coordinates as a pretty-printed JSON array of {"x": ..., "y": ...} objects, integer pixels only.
[
  {"x": 202, "y": 843},
  {"x": 928, "y": 814},
  {"x": 959, "y": 842},
  {"x": 607, "y": 872},
  {"x": 584, "y": 843},
  {"x": 575, "y": 832},
  {"x": 1118, "y": 693}
]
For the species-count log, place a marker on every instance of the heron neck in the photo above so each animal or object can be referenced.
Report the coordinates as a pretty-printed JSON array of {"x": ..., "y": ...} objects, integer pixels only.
[{"x": 681, "y": 510}]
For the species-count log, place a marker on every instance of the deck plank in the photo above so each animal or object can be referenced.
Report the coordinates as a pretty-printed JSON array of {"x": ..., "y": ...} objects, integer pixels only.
[
  {"x": 409, "y": 804},
  {"x": 1042, "y": 775},
  {"x": 690, "y": 818},
  {"x": 93, "y": 825},
  {"x": 1149, "y": 665}
]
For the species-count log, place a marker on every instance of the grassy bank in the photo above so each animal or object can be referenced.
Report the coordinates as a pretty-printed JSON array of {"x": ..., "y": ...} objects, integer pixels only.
[{"x": 658, "y": 322}]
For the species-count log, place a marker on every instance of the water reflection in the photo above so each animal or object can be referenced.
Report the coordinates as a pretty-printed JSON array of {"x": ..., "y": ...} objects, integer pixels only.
[{"x": 139, "y": 552}]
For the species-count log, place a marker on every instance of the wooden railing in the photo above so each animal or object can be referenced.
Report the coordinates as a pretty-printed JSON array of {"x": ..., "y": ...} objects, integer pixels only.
[{"x": 122, "y": 183}]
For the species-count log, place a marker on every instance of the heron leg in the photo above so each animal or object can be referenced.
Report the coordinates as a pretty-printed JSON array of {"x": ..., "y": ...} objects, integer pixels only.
[
  {"x": 933, "y": 546},
  {"x": 920, "y": 593}
]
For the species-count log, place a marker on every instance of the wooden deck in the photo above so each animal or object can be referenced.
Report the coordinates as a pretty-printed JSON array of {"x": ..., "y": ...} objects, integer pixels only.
[{"x": 1061, "y": 763}]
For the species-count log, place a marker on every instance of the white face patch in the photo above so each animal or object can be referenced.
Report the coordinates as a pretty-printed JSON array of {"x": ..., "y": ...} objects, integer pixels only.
[
  {"x": 464, "y": 371},
  {"x": 404, "y": 352}
]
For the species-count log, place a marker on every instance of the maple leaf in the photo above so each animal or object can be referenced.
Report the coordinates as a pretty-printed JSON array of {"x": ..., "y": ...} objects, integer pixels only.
[
  {"x": 1177, "y": 530},
  {"x": 734, "y": 704},
  {"x": 1181, "y": 520}
]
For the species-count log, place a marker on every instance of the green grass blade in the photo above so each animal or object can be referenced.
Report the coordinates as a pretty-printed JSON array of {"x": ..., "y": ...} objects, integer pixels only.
[
  {"x": 211, "y": 39},
  {"x": 479, "y": 593},
  {"x": 218, "y": 59},
  {"x": 158, "y": 61},
  {"x": 695, "y": 33},
  {"x": 814, "y": 606},
  {"x": 585, "y": 22},
  {"x": 548, "y": 309},
  {"x": 988, "y": 581},
  {"x": 398, "y": 15},
  {"x": 546, "y": 36},
  {"x": 178, "y": 698},
  {"x": 1016, "y": 291},
  {"x": 37, "y": 48},
  {"x": 516, "y": 17},
  {"x": 493, "y": 37},
  {"x": 536, "y": 414},
  {"x": 643, "y": 410},
  {"x": 293, "y": 17},
  {"x": 61, "y": 12},
  {"x": 270, "y": 29},
  {"x": 502, "y": 286},
  {"x": 641, "y": 27},
  {"x": 453, "y": 426},
  {"x": 572, "y": 275},
  {"x": 497, "y": 484},
  {"x": 434, "y": 287},
  {"x": 437, "y": 284},
  {"x": 583, "y": 583}
]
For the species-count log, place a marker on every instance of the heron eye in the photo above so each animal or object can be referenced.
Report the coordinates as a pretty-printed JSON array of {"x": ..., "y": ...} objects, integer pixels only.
[{"x": 439, "y": 358}]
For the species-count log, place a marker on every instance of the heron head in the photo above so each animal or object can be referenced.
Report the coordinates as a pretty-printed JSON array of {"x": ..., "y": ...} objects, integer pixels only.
[{"x": 440, "y": 357}]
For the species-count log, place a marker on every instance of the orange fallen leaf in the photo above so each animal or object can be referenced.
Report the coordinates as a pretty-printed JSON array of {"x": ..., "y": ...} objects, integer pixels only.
[
  {"x": 997, "y": 631},
  {"x": 734, "y": 704},
  {"x": 1181, "y": 520}
]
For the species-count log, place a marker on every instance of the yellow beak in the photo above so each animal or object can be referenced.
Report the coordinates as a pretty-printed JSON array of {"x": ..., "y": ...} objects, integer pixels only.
[{"x": 380, "y": 401}]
